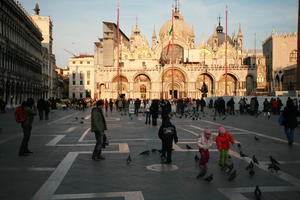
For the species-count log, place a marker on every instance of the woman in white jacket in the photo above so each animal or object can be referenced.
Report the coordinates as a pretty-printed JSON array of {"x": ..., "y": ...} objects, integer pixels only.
[{"x": 204, "y": 143}]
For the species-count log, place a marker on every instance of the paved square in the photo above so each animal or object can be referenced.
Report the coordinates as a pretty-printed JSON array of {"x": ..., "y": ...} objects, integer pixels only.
[{"x": 61, "y": 166}]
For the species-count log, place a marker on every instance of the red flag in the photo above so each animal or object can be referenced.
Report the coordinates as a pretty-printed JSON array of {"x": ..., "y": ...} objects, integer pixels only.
[{"x": 168, "y": 49}]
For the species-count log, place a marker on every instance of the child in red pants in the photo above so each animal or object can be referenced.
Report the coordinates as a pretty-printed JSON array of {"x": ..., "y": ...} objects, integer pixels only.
[
  {"x": 204, "y": 143},
  {"x": 224, "y": 140}
]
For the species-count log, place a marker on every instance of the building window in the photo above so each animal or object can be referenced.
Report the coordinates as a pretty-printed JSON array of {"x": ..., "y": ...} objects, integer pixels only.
[
  {"x": 73, "y": 95},
  {"x": 80, "y": 95},
  {"x": 88, "y": 82},
  {"x": 144, "y": 64},
  {"x": 81, "y": 75},
  {"x": 293, "y": 56},
  {"x": 81, "y": 62},
  {"x": 81, "y": 82},
  {"x": 74, "y": 82},
  {"x": 88, "y": 62},
  {"x": 73, "y": 75},
  {"x": 74, "y": 62},
  {"x": 88, "y": 74}
]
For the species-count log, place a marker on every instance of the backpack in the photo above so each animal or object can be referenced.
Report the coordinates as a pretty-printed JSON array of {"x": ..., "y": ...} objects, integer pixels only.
[{"x": 19, "y": 114}]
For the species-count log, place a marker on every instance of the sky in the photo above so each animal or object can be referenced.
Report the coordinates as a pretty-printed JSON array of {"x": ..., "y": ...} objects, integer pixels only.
[{"x": 77, "y": 24}]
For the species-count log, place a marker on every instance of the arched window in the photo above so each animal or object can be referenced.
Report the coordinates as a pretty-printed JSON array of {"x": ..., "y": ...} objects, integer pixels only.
[{"x": 293, "y": 56}]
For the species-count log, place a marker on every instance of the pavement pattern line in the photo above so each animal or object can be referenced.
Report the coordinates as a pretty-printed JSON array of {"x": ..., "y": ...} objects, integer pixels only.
[
  {"x": 252, "y": 132},
  {"x": 55, "y": 140},
  {"x": 61, "y": 119},
  {"x": 236, "y": 193},
  {"x": 134, "y": 195},
  {"x": 28, "y": 169},
  {"x": 84, "y": 134}
]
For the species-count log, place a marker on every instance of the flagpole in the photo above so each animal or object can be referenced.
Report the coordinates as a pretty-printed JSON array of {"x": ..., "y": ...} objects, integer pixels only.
[
  {"x": 172, "y": 57},
  {"x": 118, "y": 46},
  {"x": 226, "y": 51}
]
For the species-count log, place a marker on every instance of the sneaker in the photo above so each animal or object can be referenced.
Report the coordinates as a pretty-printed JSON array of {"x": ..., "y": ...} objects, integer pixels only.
[{"x": 101, "y": 157}]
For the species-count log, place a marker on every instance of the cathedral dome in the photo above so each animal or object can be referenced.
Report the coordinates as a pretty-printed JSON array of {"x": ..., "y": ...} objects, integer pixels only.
[
  {"x": 181, "y": 28},
  {"x": 219, "y": 36}
]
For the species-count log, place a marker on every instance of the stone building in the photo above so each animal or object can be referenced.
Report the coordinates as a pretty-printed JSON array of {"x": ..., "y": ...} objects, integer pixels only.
[
  {"x": 48, "y": 67},
  {"x": 81, "y": 76},
  {"x": 20, "y": 54},
  {"x": 280, "y": 51},
  {"x": 146, "y": 71}
]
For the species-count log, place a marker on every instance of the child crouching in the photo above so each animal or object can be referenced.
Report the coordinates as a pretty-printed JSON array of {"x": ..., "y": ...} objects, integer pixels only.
[{"x": 204, "y": 143}]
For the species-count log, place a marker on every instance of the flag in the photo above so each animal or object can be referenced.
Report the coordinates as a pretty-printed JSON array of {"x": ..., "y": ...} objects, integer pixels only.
[{"x": 170, "y": 32}]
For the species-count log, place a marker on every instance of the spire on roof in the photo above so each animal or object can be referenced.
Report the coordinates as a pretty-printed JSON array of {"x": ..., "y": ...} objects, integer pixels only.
[
  {"x": 37, "y": 8},
  {"x": 177, "y": 6},
  {"x": 240, "y": 33},
  {"x": 154, "y": 34}
]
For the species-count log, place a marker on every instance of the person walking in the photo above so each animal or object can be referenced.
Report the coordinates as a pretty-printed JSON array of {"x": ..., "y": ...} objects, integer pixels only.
[
  {"x": 167, "y": 133},
  {"x": 204, "y": 143},
  {"x": 40, "y": 108},
  {"x": 290, "y": 114},
  {"x": 98, "y": 126},
  {"x": 47, "y": 107},
  {"x": 29, "y": 112},
  {"x": 148, "y": 115},
  {"x": 223, "y": 141}
]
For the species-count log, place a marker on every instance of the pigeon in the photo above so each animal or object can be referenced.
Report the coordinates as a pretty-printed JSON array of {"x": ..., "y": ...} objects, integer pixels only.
[
  {"x": 160, "y": 151},
  {"x": 229, "y": 157},
  {"x": 188, "y": 146},
  {"x": 273, "y": 167},
  {"x": 257, "y": 193},
  {"x": 230, "y": 168},
  {"x": 131, "y": 118},
  {"x": 256, "y": 138},
  {"x": 255, "y": 159},
  {"x": 232, "y": 176},
  {"x": 202, "y": 173},
  {"x": 251, "y": 172},
  {"x": 242, "y": 154},
  {"x": 214, "y": 118},
  {"x": 81, "y": 122},
  {"x": 273, "y": 161},
  {"x": 224, "y": 117},
  {"x": 196, "y": 158},
  {"x": 82, "y": 117},
  {"x": 128, "y": 160},
  {"x": 146, "y": 153},
  {"x": 193, "y": 118},
  {"x": 239, "y": 145},
  {"x": 250, "y": 166},
  {"x": 209, "y": 178},
  {"x": 154, "y": 150},
  {"x": 76, "y": 118}
]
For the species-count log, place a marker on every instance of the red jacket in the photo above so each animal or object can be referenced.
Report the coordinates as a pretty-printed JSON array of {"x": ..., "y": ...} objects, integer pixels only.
[{"x": 223, "y": 142}]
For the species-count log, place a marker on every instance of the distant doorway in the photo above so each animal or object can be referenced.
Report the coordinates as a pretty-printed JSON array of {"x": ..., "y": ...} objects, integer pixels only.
[{"x": 175, "y": 93}]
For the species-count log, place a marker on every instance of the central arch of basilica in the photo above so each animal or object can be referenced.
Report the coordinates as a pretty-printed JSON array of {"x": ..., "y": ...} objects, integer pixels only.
[{"x": 146, "y": 71}]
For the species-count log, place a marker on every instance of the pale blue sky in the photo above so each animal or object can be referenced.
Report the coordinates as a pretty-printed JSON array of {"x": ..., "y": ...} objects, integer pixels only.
[{"x": 77, "y": 24}]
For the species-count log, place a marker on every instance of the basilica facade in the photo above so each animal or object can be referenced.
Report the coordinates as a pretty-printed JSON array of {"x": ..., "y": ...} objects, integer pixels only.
[{"x": 153, "y": 72}]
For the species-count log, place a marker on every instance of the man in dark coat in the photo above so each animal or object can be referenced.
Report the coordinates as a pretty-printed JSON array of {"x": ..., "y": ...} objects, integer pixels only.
[
  {"x": 98, "y": 126},
  {"x": 290, "y": 114},
  {"x": 40, "y": 107},
  {"x": 167, "y": 133}
]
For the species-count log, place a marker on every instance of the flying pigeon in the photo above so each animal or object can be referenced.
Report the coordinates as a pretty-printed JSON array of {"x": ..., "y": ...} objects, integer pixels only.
[
  {"x": 196, "y": 158},
  {"x": 146, "y": 153},
  {"x": 256, "y": 138},
  {"x": 209, "y": 178},
  {"x": 255, "y": 159},
  {"x": 250, "y": 166},
  {"x": 202, "y": 173},
  {"x": 257, "y": 193},
  {"x": 251, "y": 172},
  {"x": 273, "y": 161},
  {"x": 232, "y": 176},
  {"x": 128, "y": 160},
  {"x": 188, "y": 146}
]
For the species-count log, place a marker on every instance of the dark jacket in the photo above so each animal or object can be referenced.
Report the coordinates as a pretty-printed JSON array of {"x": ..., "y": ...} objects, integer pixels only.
[
  {"x": 290, "y": 117},
  {"x": 98, "y": 121},
  {"x": 29, "y": 114},
  {"x": 167, "y": 133}
]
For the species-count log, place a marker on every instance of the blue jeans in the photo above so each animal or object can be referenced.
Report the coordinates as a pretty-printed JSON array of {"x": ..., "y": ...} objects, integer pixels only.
[{"x": 289, "y": 134}]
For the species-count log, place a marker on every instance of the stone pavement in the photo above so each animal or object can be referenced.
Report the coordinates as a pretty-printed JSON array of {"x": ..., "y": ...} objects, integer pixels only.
[{"x": 61, "y": 165}]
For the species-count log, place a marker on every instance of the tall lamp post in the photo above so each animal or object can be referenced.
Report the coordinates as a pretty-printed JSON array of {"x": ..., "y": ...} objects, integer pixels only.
[{"x": 298, "y": 52}]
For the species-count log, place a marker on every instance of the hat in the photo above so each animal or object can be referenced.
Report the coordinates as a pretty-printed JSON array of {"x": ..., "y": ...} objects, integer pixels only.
[
  {"x": 207, "y": 131},
  {"x": 99, "y": 103},
  {"x": 222, "y": 129}
]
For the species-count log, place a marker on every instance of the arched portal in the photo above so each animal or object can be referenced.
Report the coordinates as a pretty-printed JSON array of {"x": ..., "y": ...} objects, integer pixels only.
[
  {"x": 231, "y": 85},
  {"x": 120, "y": 86},
  {"x": 142, "y": 86},
  {"x": 208, "y": 80},
  {"x": 178, "y": 86}
]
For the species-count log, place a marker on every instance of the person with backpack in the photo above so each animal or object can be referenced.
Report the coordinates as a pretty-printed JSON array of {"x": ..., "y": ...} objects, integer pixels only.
[
  {"x": 25, "y": 115},
  {"x": 290, "y": 114},
  {"x": 167, "y": 133}
]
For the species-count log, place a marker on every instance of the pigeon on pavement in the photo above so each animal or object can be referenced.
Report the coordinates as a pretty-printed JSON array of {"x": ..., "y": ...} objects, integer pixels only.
[
  {"x": 257, "y": 193},
  {"x": 209, "y": 178}
]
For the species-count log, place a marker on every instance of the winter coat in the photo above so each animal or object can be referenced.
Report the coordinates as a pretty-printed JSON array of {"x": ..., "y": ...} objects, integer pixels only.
[
  {"x": 223, "y": 142},
  {"x": 168, "y": 134},
  {"x": 290, "y": 117},
  {"x": 204, "y": 143},
  {"x": 29, "y": 114},
  {"x": 98, "y": 121}
]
